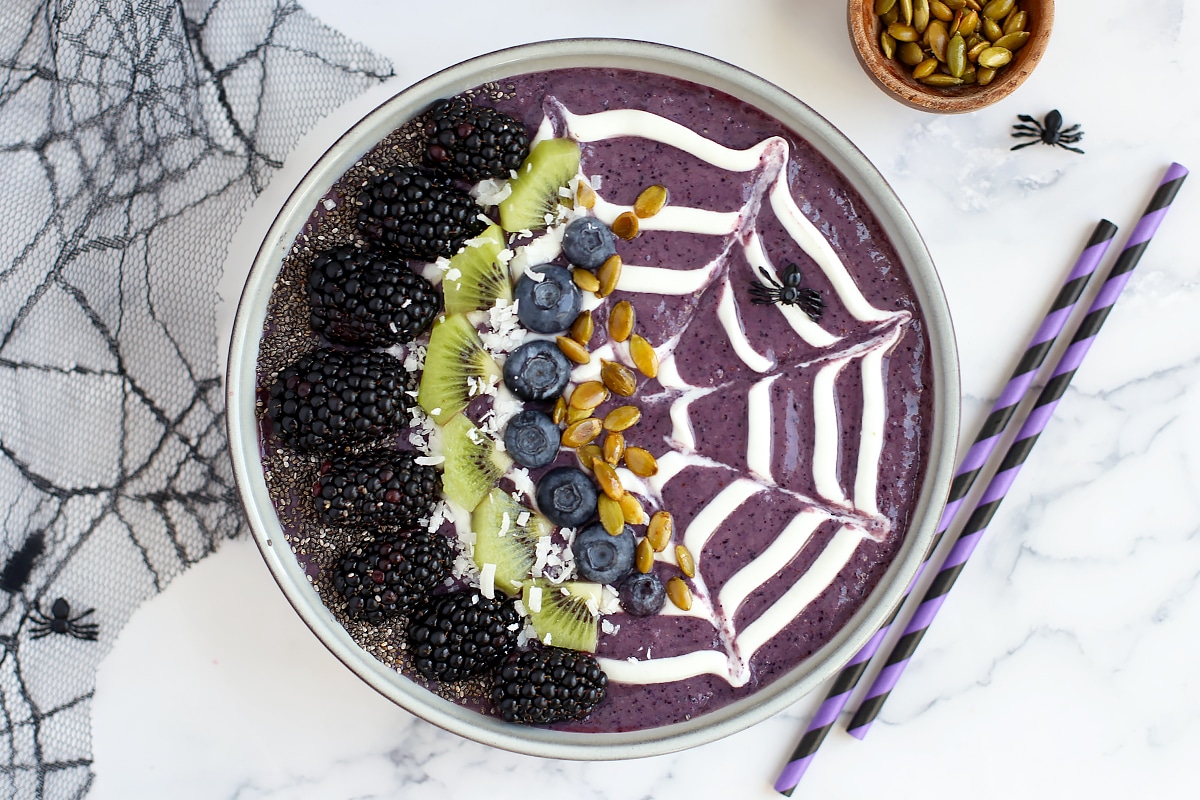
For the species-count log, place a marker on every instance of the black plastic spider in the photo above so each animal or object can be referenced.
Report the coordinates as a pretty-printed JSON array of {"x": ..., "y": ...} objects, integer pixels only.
[
  {"x": 788, "y": 293},
  {"x": 1050, "y": 131},
  {"x": 60, "y": 621}
]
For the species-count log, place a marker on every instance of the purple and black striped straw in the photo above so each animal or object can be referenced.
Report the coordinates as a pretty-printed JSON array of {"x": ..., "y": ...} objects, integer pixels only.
[
  {"x": 983, "y": 446},
  {"x": 1017, "y": 452}
]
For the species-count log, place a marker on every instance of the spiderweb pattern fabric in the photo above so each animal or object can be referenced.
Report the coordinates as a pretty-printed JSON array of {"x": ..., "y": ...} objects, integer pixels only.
[{"x": 133, "y": 134}]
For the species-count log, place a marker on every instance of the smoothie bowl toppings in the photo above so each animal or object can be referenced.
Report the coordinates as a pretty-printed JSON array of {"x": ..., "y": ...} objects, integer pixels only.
[{"x": 595, "y": 399}]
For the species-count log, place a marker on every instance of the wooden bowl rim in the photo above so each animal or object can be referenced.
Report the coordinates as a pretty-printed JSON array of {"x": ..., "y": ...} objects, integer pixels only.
[{"x": 888, "y": 74}]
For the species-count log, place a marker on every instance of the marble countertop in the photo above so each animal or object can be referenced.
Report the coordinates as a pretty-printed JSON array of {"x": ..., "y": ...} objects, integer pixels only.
[{"x": 1060, "y": 666}]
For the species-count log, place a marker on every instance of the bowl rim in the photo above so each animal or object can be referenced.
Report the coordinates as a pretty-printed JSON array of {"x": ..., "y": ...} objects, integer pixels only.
[
  {"x": 243, "y": 430},
  {"x": 864, "y": 27}
]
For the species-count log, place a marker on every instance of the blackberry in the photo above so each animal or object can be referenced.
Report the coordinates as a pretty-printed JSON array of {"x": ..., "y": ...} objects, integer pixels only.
[
  {"x": 462, "y": 634},
  {"x": 330, "y": 399},
  {"x": 392, "y": 575},
  {"x": 548, "y": 684},
  {"x": 474, "y": 142},
  {"x": 417, "y": 215},
  {"x": 378, "y": 488},
  {"x": 363, "y": 299}
]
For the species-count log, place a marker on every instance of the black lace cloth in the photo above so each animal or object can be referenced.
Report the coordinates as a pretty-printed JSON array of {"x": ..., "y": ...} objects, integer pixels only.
[{"x": 133, "y": 134}]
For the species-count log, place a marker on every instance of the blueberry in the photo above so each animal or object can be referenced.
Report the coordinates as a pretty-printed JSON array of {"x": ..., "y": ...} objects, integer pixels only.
[
  {"x": 642, "y": 595},
  {"x": 551, "y": 304},
  {"x": 588, "y": 242},
  {"x": 567, "y": 497},
  {"x": 537, "y": 370},
  {"x": 602, "y": 557},
  {"x": 532, "y": 438}
]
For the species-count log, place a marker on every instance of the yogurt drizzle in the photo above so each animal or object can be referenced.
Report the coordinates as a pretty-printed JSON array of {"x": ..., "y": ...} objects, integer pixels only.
[{"x": 855, "y": 516}]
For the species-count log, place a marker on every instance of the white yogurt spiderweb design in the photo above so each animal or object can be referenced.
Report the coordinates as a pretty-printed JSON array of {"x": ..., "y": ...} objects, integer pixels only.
[{"x": 818, "y": 365}]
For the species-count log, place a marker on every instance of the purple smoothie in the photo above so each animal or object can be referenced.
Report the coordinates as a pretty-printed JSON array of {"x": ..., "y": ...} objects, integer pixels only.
[{"x": 705, "y": 358}]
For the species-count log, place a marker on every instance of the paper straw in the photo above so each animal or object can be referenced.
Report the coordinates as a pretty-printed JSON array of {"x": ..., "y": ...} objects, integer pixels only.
[
  {"x": 985, "y": 442},
  {"x": 1017, "y": 452}
]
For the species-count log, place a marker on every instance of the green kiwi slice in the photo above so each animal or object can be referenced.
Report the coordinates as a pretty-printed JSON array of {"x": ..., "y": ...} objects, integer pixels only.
[
  {"x": 483, "y": 280},
  {"x": 550, "y": 166},
  {"x": 502, "y": 539},
  {"x": 473, "y": 464},
  {"x": 566, "y": 618},
  {"x": 454, "y": 362}
]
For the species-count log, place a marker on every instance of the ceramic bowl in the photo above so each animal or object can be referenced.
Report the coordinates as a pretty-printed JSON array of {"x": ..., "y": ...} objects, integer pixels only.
[
  {"x": 895, "y": 79},
  {"x": 243, "y": 423}
]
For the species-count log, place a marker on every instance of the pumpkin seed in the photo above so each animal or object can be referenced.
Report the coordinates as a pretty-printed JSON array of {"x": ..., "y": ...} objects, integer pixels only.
[
  {"x": 998, "y": 9},
  {"x": 588, "y": 454},
  {"x": 582, "y": 328},
  {"x": 582, "y": 432},
  {"x": 585, "y": 195},
  {"x": 608, "y": 275},
  {"x": 620, "y": 321},
  {"x": 625, "y": 226},
  {"x": 645, "y": 557},
  {"x": 560, "y": 411},
  {"x": 622, "y": 418},
  {"x": 884, "y": 6},
  {"x": 984, "y": 75},
  {"x": 906, "y": 11},
  {"x": 614, "y": 447},
  {"x": 991, "y": 29},
  {"x": 585, "y": 280},
  {"x": 618, "y": 377},
  {"x": 955, "y": 5},
  {"x": 576, "y": 414},
  {"x": 925, "y": 68},
  {"x": 940, "y": 10},
  {"x": 903, "y": 33},
  {"x": 607, "y": 478},
  {"x": 679, "y": 593},
  {"x": 588, "y": 394},
  {"x": 920, "y": 15},
  {"x": 995, "y": 57},
  {"x": 956, "y": 56},
  {"x": 643, "y": 355},
  {"x": 969, "y": 23},
  {"x": 937, "y": 38},
  {"x": 968, "y": 75},
  {"x": 650, "y": 201},
  {"x": 1016, "y": 22},
  {"x": 974, "y": 4},
  {"x": 611, "y": 516},
  {"x": 910, "y": 54},
  {"x": 887, "y": 44},
  {"x": 1012, "y": 41},
  {"x": 687, "y": 564},
  {"x": 661, "y": 530},
  {"x": 631, "y": 507},
  {"x": 573, "y": 349},
  {"x": 640, "y": 462},
  {"x": 892, "y": 15},
  {"x": 942, "y": 81},
  {"x": 976, "y": 49}
]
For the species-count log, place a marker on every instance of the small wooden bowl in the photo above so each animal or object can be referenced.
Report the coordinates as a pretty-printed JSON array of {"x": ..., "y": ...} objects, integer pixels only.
[{"x": 896, "y": 79}]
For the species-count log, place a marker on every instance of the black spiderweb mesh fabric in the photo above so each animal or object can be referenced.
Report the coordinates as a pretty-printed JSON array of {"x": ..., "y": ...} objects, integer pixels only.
[{"x": 133, "y": 134}]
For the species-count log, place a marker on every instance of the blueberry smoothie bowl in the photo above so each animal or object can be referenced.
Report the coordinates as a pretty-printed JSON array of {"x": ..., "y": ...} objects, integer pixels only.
[{"x": 593, "y": 399}]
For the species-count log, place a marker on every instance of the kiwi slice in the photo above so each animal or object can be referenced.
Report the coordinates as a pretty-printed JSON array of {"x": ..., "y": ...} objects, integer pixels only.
[
  {"x": 566, "y": 618},
  {"x": 501, "y": 538},
  {"x": 473, "y": 464},
  {"x": 455, "y": 357},
  {"x": 550, "y": 166},
  {"x": 483, "y": 279}
]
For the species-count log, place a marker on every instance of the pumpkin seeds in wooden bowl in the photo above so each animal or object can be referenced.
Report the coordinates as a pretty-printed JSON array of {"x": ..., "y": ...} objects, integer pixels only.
[{"x": 949, "y": 56}]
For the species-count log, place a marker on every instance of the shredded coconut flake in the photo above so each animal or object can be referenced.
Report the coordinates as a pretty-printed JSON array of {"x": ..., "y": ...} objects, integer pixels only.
[
  {"x": 487, "y": 581},
  {"x": 535, "y": 599}
]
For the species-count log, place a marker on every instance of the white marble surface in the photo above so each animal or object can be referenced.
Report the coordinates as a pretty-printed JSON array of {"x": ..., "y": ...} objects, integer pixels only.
[{"x": 1063, "y": 664}]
